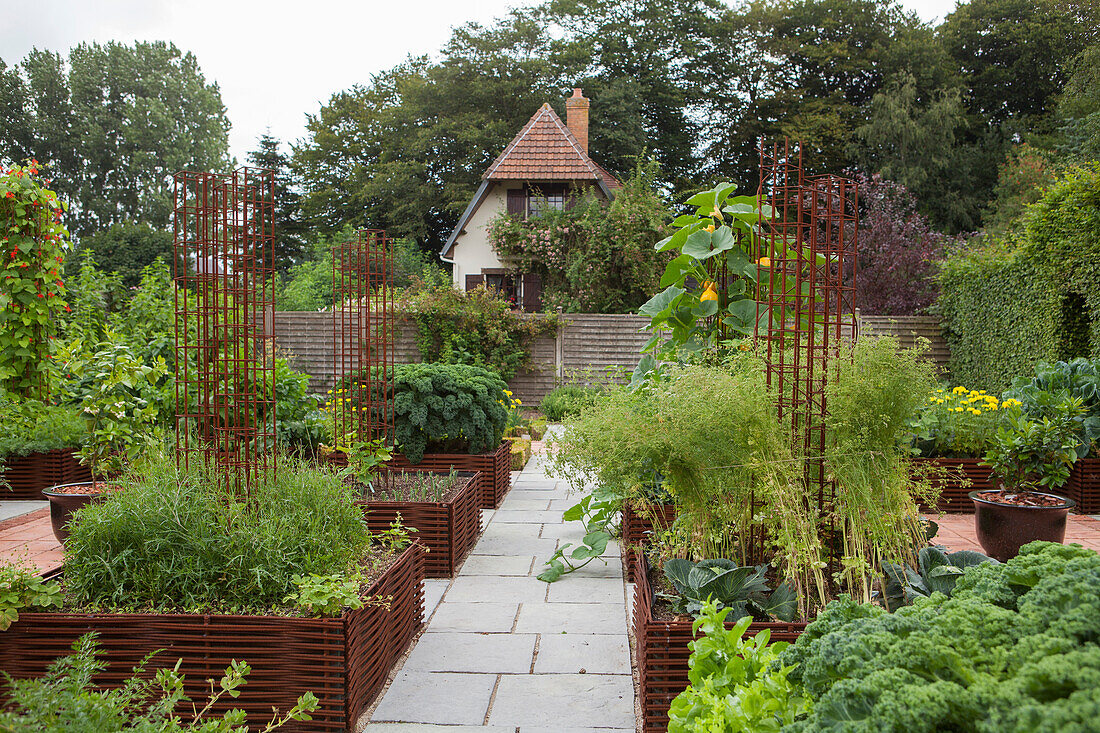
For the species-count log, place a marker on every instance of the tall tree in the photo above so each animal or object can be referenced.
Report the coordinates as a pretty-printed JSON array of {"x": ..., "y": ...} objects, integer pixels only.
[
  {"x": 407, "y": 150},
  {"x": 913, "y": 144},
  {"x": 1015, "y": 55},
  {"x": 114, "y": 122},
  {"x": 289, "y": 227},
  {"x": 808, "y": 70}
]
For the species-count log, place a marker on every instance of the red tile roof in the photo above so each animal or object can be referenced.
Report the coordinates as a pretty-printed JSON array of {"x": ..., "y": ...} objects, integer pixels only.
[{"x": 545, "y": 150}]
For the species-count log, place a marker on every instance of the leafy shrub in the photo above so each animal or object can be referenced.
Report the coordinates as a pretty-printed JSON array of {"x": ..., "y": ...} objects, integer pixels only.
[
  {"x": 1040, "y": 395},
  {"x": 170, "y": 539},
  {"x": 1033, "y": 455},
  {"x": 567, "y": 400},
  {"x": 736, "y": 683},
  {"x": 300, "y": 423},
  {"x": 476, "y": 327},
  {"x": 595, "y": 256},
  {"x": 128, "y": 248},
  {"x": 31, "y": 426},
  {"x": 1015, "y": 649},
  {"x": 448, "y": 408},
  {"x": 898, "y": 250},
  {"x": 66, "y": 699},
  {"x": 22, "y": 587}
]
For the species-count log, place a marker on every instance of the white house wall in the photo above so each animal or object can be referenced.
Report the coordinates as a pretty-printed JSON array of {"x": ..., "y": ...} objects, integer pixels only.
[{"x": 472, "y": 251}]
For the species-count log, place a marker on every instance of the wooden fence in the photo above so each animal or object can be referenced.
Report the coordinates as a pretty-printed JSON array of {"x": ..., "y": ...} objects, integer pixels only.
[{"x": 588, "y": 347}]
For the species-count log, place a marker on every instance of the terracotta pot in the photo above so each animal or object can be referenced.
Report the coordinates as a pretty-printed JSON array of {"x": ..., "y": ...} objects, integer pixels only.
[
  {"x": 1003, "y": 529},
  {"x": 62, "y": 506}
]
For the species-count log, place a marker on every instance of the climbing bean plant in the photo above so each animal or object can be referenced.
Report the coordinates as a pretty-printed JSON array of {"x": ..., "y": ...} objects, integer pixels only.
[{"x": 33, "y": 243}]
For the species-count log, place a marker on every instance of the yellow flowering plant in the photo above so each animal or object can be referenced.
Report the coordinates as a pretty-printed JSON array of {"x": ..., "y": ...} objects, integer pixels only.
[{"x": 957, "y": 423}]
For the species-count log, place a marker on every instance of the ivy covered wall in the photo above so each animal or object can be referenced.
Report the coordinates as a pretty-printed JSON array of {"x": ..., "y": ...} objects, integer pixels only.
[{"x": 1032, "y": 294}]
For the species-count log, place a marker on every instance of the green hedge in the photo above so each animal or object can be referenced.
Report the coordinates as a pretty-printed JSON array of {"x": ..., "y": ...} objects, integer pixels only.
[{"x": 1033, "y": 294}]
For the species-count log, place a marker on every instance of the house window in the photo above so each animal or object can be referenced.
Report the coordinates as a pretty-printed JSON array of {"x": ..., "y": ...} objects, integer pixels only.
[
  {"x": 534, "y": 199},
  {"x": 543, "y": 198},
  {"x": 504, "y": 282}
]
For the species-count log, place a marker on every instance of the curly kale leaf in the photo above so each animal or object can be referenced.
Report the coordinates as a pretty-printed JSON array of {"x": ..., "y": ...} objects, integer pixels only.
[{"x": 449, "y": 408}]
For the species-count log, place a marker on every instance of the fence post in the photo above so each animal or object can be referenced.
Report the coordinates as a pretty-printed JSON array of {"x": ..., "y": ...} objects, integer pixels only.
[{"x": 559, "y": 348}]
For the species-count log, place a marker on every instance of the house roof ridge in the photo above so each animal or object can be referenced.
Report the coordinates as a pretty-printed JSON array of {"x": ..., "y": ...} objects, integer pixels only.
[{"x": 590, "y": 165}]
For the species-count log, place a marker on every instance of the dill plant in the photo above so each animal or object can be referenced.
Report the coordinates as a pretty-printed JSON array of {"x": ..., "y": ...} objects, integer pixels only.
[{"x": 871, "y": 397}]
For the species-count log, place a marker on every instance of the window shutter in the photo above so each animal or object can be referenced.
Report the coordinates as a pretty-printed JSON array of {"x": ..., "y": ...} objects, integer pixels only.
[
  {"x": 517, "y": 201},
  {"x": 532, "y": 292},
  {"x": 472, "y": 281}
]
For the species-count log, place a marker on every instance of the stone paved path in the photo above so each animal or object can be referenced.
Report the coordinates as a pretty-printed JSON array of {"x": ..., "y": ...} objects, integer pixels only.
[{"x": 503, "y": 651}]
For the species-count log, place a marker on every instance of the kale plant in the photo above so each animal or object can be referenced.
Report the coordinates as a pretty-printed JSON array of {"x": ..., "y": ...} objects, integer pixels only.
[{"x": 448, "y": 408}]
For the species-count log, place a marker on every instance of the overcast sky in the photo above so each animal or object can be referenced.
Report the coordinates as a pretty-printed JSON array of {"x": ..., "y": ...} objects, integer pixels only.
[{"x": 313, "y": 48}]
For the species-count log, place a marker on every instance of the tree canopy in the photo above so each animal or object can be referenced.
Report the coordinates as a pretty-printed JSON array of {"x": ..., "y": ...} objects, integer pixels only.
[{"x": 113, "y": 123}]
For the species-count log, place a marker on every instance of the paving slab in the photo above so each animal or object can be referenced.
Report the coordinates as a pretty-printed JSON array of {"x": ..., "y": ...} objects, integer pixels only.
[
  {"x": 415, "y": 697},
  {"x": 583, "y": 654},
  {"x": 513, "y": 547},
  {"x": 434, "y": 588},
  {"x": 426, "y": 728},
  {"x": 497, "y": 565},
  {"x": 507, "y": 531},
  {"x": 490, "y": 589},
  {"x": 526, "y": 516},
  {"x": 571, "y": 618},
  {"x": 512, "y": 503},
  {"x": 18, "y": 507},
  {"x": 540, "y": 729},
  {"x": 498, "y": 618},
  {"x": 585, "y": 590},
  {"x": 577, "y": 700},
  {"x": 448, "y": 651}
]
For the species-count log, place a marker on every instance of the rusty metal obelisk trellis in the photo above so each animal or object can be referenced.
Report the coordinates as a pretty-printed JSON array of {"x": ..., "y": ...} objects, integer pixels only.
[
  {"x": 805, "y": 293},
  {"x": 225, "y": 370},
  {"x": 362, "y": 333}
]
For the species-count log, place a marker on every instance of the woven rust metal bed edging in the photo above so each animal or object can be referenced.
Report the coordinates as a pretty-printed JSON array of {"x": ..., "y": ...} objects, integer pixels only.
[
  {"x": 344, "y": 661},
  {"x": 662, "y": 649}
]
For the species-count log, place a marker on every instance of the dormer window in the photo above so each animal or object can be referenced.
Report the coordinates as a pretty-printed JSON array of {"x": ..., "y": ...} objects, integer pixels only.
[{"x": 535, "y": 198}]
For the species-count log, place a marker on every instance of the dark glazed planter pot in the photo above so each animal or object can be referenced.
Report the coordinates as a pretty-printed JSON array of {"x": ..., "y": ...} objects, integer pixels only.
[
  {"x": 62, "y": 506},
  {"x": 1003, "y": 529}
]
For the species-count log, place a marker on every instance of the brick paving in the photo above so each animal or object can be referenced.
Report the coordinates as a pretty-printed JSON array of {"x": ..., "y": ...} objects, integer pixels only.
[
  {"x": 28, "y": 539},
  {"x": 957, "y": 531}
]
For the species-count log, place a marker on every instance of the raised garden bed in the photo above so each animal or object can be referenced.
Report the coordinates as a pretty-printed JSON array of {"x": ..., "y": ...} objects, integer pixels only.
[
  {"x": 448, "y": 528},
  {"x": 344, "y": 661},
  {"x": 638, "y": 532},
  {"x": 1084, "y": 485},
  {"x": 953, "y": 492},
  {"x": 662, "y": 651},
  {"x": 495, "y": 469},
  {"x": 29, "y": 474}
]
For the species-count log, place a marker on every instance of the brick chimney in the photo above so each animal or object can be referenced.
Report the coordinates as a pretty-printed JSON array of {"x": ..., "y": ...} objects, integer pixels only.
[{"x": 576, "y": 118}]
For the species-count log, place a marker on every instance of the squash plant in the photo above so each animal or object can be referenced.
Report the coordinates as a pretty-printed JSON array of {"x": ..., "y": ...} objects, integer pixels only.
[
  {"x": 32, "y": 246},
  {"x": 720, "y": 235},
  {"x": 711, "y": 287}
]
